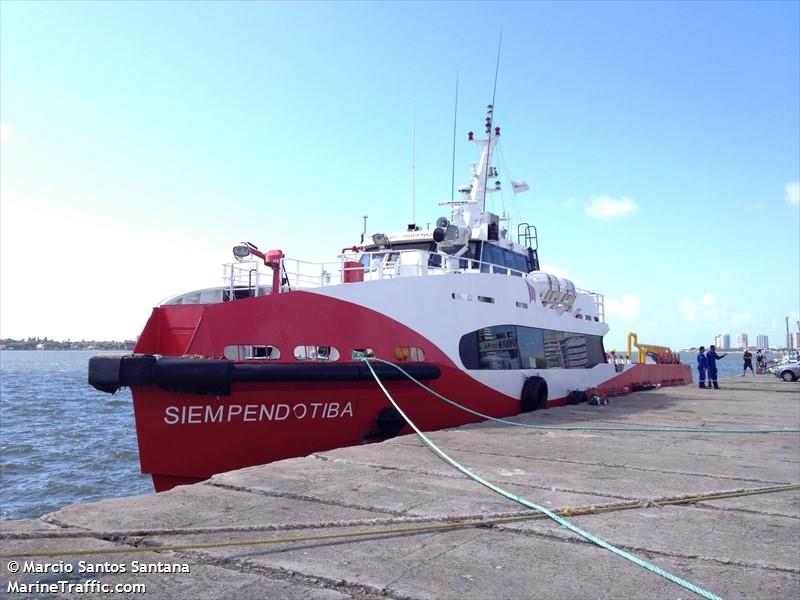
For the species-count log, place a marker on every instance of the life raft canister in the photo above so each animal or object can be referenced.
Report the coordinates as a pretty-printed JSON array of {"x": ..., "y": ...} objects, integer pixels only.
[{"x": 534, "y": 394}]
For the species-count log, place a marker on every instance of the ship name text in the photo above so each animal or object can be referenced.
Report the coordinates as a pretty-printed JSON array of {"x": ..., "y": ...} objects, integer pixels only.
[{"x": 254, "y": 413}]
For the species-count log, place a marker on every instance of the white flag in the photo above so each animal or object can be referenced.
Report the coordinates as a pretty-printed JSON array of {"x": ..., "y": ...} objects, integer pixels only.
[{"x": 519, "y": 186}]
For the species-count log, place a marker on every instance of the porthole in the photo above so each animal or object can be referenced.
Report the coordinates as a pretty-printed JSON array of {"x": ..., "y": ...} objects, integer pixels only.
[
  {"x": 316, "y": 353},
  {"x": 410, "y": 353},
  {"x": 251, "y": 352}
]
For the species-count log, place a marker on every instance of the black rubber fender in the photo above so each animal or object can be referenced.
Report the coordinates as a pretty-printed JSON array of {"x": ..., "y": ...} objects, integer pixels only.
[
  {"x": 194, "y": 376},
  {"x": 534, "y": 394},
  {"x": 111, "y": 372}
]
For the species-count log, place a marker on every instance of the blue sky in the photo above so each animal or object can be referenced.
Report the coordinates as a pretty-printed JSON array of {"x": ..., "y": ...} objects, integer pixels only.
[{"x": 140, "y": 141}]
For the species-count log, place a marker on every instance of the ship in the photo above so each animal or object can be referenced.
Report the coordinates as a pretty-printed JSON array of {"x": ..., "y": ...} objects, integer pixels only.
[{"x": 272, "y": 364}]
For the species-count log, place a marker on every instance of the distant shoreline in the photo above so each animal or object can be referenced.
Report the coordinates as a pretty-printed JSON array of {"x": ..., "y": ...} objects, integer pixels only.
[{"x": 48, "y": 344}]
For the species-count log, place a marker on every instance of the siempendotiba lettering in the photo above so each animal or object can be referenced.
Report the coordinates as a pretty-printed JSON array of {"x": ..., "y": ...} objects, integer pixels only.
[{"x": 253, "y": 413}]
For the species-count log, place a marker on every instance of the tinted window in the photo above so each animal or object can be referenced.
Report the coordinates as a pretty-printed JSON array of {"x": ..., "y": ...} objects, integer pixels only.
[
  {"x": 517, "y": 347},
  {"x": 518, "y": 262},
  {"x": 494, "y": 255},
  {"x": 531, "y": 348},
  {"x": 554, "y": 349},
  {"x": 498, "y": 348},
  {"x": 595, "y": 353},
  {"x": 575, "y": 350},
  {"x": 468, "y": 350}
]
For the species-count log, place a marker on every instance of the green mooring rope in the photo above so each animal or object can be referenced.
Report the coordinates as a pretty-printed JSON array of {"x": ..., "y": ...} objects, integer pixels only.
[
  {"x": 520, "y": 500},
  {"x": 579, "y": 427}
]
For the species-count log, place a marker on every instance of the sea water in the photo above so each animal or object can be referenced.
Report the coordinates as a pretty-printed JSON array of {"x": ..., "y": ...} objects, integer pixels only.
[{"x": 63, "y": 442}]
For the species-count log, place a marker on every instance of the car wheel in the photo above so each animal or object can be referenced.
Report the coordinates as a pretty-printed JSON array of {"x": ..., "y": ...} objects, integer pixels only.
[{"x": 787, "y": 376}]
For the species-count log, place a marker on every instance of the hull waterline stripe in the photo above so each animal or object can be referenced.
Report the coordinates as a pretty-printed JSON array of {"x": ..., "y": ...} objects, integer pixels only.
[
  {"x": 579, "y": 427},
  {"x": 520, "y": 500}
]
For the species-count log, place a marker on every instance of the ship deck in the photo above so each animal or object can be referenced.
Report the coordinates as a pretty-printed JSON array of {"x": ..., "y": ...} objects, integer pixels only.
[{"x": 741, "y": 546}]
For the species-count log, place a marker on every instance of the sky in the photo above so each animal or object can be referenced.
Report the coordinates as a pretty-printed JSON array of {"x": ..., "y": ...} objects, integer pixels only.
[{"x": 140, "y": 141}]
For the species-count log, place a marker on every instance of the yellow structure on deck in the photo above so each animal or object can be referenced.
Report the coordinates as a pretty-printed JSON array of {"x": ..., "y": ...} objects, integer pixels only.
[{"x": 643, "y": 349}]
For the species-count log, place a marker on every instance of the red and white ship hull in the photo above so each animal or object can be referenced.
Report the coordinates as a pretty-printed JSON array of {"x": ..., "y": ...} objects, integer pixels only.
[
  {"x": 249, "y": 373},
  {"x": 187, "y": 437}
]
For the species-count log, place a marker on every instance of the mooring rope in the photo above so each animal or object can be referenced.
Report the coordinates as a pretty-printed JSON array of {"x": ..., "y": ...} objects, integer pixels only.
[
  {"x": 520, "y": 500},
  {"x": 577, "y": 427},
  {"x": 451, "y": 522}
]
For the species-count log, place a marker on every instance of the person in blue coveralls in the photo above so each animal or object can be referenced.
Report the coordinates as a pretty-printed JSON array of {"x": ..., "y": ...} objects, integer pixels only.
[
  {"x": 711, "y": 364},
  {"x": 701, "y": 366}
]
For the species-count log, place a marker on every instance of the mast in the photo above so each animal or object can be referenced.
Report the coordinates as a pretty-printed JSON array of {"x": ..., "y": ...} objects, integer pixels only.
[
  {"x": 413, "y": 164},
  {"x": 480, "y": 176}
]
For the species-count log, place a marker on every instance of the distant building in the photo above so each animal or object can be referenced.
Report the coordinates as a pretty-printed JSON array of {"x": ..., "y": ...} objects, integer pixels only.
[
  {"x": 796, "y": 337},
  {"x": 741, "y": 340},
  {"x": 723, "y": 341},
  {"x": 762, "y": 341}
]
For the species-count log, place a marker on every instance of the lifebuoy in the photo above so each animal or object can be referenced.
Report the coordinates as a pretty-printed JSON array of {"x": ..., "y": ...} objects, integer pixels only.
[{"x": 534, "y": 394}]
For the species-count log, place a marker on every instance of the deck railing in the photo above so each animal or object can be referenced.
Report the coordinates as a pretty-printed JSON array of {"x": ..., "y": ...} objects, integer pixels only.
[{"x": 365, "y": 266}]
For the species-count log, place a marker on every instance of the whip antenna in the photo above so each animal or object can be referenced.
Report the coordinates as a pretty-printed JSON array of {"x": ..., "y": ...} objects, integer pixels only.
[
  {"x": 497, "y": 66},
  {"x": 491, "y": 118},
  {"x": 413, "y": 163},
  {"x": 455, "y": 120}
]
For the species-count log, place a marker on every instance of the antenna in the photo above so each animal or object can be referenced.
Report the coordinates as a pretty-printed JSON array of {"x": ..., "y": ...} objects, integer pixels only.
[
  {"x": 491, "y": 119},
  {"x": 413, "y": 164},
  {"x": 455, "y": 120}
]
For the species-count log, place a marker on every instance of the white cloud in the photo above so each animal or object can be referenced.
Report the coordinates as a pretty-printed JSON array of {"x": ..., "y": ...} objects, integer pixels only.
[
  {"x": 793, "y": 193},
  {"x": 710, "y": 310},
  {"x": 606, "y": 207},
  {"x": 689, "y": 309},
  {"x": 626, "y": 309},
  {"x": 758, "y": 206},
  {"x": 7, "y": 133}
]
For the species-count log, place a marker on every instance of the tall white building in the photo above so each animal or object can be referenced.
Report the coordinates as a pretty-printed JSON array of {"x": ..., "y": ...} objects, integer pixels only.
[
  {"x": 718, "y": 342},
  {"x": 762, "y": 341},
  {"x": 741, "y": 340},
  {"x": 796, "y": 339}
]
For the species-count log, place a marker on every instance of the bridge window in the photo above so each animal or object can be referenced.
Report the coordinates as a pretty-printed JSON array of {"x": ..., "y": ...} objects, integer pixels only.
[{"x": 495, "y": 255}]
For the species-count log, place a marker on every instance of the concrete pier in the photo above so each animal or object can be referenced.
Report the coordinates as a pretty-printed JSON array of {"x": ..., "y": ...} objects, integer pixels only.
[{"x": 741, "y": 546}]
